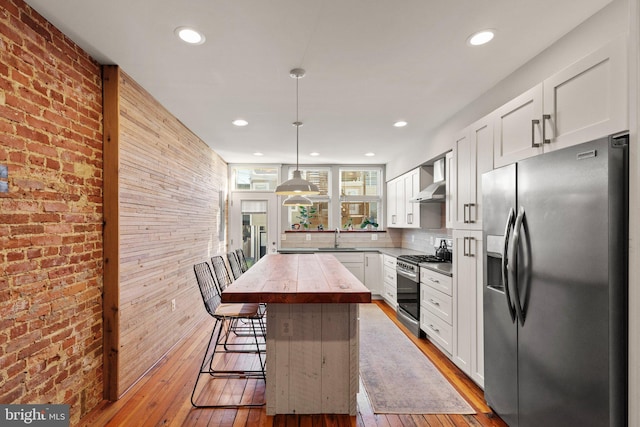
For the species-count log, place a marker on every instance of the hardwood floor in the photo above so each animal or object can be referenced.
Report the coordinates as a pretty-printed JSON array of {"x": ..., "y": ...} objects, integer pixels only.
[{"x": 162, "y": 397}]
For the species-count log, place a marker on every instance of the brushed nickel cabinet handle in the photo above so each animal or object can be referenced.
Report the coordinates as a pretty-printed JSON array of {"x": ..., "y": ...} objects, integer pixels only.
[
  {"x": 545, "y": 117},
  {"x": 534, "y": 122}
]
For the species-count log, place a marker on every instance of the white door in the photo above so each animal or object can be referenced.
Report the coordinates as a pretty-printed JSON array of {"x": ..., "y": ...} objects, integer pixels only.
[{"x": 253, "y": 224}]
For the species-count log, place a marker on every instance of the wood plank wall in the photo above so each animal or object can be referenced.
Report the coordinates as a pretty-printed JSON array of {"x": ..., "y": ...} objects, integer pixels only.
[{"x": 168, "y": 215}]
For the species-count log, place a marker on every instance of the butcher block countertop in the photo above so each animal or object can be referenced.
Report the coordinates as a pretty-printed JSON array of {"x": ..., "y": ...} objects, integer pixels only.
[{"x": 297, "y": 279}]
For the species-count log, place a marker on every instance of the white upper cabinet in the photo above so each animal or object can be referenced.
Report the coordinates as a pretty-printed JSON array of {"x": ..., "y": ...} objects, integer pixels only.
[
  {"x": 585, "y": 101},
  {"x": 411, "y": 188},
  {"x": 401, "y": 212},
  {"x": 392, "y": 203},
  {"x": 517, "y": 125},
  {"x": 472, "y": 156},
  {"x": 450, "y": 173}
]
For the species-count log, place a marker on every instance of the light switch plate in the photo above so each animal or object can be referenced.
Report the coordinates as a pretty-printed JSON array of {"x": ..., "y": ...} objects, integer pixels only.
[{"x": 374, "y": 236}]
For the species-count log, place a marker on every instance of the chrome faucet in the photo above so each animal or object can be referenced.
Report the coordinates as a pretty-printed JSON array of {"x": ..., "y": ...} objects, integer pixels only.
[{"x": 335, "y": 237}]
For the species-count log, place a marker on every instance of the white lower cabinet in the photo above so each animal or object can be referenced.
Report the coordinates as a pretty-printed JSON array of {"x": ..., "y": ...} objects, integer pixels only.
[
  {"x": 389, "y": 278},
  {"x": 468, "y": 337},
  {"x": 354, "y": 261},
  {"x": 436, "y": 318},
  {"x": 373, "y": 272}
]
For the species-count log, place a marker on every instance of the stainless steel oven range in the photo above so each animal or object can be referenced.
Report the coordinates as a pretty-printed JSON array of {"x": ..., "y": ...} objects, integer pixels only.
[{"x": 408, "y": 284}]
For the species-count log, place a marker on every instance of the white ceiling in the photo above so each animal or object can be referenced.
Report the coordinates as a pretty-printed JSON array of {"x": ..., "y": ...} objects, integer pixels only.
[{"x": 368, "y": 62}]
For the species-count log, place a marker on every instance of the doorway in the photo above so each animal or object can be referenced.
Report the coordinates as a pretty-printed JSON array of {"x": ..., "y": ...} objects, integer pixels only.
[{"x": 253, "y": 223}]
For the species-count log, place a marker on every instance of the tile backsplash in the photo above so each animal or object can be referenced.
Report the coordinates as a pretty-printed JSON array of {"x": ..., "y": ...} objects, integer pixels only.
[
  {"x": 425, "y": 240},
  {"x": 418, "y": 239},
  {"x": 391, "y": 238}
]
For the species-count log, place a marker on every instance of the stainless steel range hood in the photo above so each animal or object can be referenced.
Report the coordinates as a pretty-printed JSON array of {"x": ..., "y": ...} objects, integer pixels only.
[{"x": 434, "y": 193}]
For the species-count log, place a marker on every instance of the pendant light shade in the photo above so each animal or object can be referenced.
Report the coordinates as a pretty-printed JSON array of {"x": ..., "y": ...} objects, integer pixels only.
[
  {"x": 297, "y": 201},
  {"x": 297, "y": 186}
]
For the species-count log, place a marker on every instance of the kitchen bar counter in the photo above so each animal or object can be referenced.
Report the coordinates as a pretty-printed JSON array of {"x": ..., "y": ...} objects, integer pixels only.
[
  {"x": 312, "y": 331},
  {"x": 297, "y": 279}
]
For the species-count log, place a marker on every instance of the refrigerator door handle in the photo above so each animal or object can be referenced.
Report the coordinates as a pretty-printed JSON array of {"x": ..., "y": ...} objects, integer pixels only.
[
  {"x": 505, "y": 261},
  {"x": 514, "y": 251}
]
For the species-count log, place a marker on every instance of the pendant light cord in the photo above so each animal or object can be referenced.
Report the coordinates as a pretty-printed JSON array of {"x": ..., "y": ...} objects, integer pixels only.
[{"x": 297, "y": 123}]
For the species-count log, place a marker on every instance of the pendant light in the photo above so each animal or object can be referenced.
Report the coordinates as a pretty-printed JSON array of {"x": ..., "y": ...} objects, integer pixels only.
[
  {"x": 297, "y": 201},
  {"x": 297, "y": 186}
]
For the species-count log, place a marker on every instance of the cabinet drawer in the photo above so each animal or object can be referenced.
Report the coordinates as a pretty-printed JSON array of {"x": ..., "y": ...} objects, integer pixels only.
[
  {"x": 389, "y": 261},
  {"x": 345, "y": 257},
  {"x": 390, "y": 276},
  {"x": 437, "y": 330},
  {"x": 390, "y": 295},
  {"x": 436, "y": 302},
  {"x": 436, "y": 280}
]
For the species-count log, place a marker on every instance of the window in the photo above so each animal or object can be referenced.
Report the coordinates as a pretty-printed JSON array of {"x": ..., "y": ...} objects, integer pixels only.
[
  {"x": 317, "y": 176},
  {"x": 254, "y": 178},
  {"x": 317, "y": 216},
  {"x": 360, "y": 197},
  {"x": 349, "y": 197},
  {"x": 359, "y": 182},
  {"x": 309, "y": 217}
]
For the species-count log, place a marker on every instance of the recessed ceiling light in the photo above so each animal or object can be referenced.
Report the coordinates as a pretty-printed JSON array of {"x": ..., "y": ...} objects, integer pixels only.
[
  {"x": 369, "y": 154},
  {"x": 481, "y": 37},
  {"x": 400, "y": 124},
  {"x": 240, "y": 122},
  {"x": 189, "y": 35},
  {"x": 314, "y": 154},
  {"x": 257, "y": 153}
]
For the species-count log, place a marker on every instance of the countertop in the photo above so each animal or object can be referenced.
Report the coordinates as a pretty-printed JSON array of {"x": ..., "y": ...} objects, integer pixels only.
[
  {"x": 443, "y": 268},
  {"x": 311, "y": 278}
]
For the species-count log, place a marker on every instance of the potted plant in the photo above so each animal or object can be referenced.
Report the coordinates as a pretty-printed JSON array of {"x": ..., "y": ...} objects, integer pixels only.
[
  {"x": 369, "y": 223},
  {"x": 305, "y": 215}
]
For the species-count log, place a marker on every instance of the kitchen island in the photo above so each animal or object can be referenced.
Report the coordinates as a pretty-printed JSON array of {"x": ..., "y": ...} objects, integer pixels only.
[{"x": 312, "y": 331}]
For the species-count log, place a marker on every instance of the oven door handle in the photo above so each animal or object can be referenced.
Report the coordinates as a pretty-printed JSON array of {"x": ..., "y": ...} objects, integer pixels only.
[{"x": 408, "y": 275}]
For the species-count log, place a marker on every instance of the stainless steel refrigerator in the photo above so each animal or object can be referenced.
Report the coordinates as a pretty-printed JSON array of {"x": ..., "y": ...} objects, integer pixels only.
[{"x": 555, "y": 231}]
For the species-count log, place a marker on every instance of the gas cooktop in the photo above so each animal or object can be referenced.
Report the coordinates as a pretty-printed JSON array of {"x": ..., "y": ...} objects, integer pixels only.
[{"x": 416, "y": 259}]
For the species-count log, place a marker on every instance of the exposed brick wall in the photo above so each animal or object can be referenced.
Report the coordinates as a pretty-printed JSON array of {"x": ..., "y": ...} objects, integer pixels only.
[{"x": 51, "y": 218}]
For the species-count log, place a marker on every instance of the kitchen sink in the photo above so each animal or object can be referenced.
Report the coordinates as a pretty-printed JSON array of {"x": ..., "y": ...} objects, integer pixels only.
[{"x": 339, "y": 249}]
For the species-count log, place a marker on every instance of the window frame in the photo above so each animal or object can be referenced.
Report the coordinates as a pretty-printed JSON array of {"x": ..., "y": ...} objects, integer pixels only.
[{"x": 334, "y": 198}]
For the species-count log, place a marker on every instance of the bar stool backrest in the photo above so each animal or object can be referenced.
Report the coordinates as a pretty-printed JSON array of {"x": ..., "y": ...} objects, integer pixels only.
[
  {"x": 242, "y": 260},
  {"x": 208, "y": 287},
  {"x": 234, "y": 264},
  {"x": 221, "y": 272}
]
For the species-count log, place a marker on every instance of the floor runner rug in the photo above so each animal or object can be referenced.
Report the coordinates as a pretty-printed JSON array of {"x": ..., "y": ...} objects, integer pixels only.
[{"x": 398, "y": 377}]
